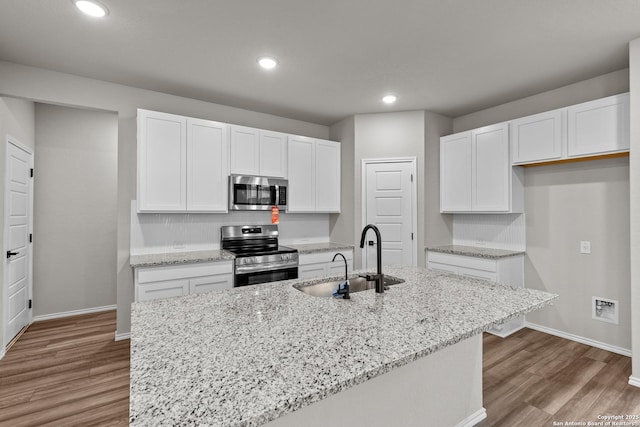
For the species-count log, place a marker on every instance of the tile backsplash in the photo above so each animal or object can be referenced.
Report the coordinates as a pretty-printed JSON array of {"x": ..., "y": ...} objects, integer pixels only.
[
  {"x": 500, "y": 231},
  {"x": 176, "y": 232}
]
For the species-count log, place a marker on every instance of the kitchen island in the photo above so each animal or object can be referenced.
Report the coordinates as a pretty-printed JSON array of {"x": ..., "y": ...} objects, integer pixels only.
[{"x": 267, "y": 353}]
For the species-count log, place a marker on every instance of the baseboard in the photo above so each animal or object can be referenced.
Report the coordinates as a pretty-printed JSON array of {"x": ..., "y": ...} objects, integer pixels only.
[
  {"x": 73, "y": 313},
  {"x": 473, "y": 419},
  {"x": 634, "y": 381},
  {"x": 124, "y": 336},
  {"x": 582, "y": 340}
]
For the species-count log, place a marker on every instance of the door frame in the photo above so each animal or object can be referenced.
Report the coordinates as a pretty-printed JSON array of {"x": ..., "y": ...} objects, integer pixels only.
[
  {"x": 5, "y": 297},
  {"x": 414, "y": 200}
]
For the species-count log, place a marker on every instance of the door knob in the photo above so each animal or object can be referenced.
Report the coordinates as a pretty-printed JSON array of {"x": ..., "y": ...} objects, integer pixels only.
[
  {"x": 371, "y": 243},
  {"x": 10, "y": 254}
]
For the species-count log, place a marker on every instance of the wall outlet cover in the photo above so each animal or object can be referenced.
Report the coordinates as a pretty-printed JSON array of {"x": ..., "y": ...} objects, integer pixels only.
[{"x": 585, "y": 247}]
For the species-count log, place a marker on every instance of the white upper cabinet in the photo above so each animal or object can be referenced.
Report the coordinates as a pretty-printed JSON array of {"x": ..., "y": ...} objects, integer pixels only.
[
  {"x": 589, "y": 129},
  {"x": 302, "y": 174},
  {"x": 327, "y": 176},
  {"x": 207, "y": 166},
  {"x": 273, "y": 154},
  {"x": 258, "y": 152},
  {"x": 314, "y": 175},
  {"x": 245, "y": 151},
  {"x": 455, "y": 172},
  {"x": 490, "y": 169},
  {"x": 598, "y": 127},
  {"x": 476, "y": 175},
  {"x": 182, "y": 164},
  {"x": 162, "y": 162},
  {"x": 537, "y": 138}
]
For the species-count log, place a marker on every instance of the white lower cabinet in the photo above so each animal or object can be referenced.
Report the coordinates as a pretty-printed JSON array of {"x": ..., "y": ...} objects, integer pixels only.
[
  {"x": 319, "y": 264},
  {"x": 180, "y": 280},
  {"x": 508, "y": 271}
]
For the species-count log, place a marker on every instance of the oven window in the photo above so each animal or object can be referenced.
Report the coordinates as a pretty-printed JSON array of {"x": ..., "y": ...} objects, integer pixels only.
[{"x": 265, "y": 276}]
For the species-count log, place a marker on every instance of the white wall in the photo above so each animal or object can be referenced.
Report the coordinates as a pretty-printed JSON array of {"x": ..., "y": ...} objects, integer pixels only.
[
  {"x": 634, "y": 183},
  {"x": 387, "y": 135},
  {"x": 65, "y": 89},
  {"x": 567, "y": 203},
  {"x": 17, "y": 118},
  {"x": 75, "y": 209}
]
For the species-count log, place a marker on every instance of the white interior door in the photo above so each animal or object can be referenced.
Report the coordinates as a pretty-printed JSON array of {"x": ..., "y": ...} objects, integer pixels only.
[
  {"x": 17, "y": 229},
  {"x": 391, "y": 206}
]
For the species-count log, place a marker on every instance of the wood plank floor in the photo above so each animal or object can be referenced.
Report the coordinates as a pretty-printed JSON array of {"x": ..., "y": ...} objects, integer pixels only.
[{"x": 70, "y": 372}]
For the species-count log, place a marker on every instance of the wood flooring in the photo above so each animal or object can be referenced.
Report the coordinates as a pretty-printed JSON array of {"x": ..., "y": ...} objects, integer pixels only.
[
  {"x": 66, "y": 372},
  {"x": 71, "y": 372}
]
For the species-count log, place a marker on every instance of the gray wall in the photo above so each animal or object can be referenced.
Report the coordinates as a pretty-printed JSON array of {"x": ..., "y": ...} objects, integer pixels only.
[
  {"x": 634, "y": 183},
  {"x": 567, "y": 203},
  {"x": 75, "y": 209},
  {"x": 386, "y": 135},
  {"x": 17, "y": 119},
  {"x": 65, "y": 89},
  {"x": 438, "y": 228},
  {"x": 341, "y": 225}
]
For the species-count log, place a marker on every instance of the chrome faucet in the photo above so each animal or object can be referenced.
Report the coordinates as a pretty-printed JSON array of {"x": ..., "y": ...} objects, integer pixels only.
[{"x": 379, "y": 277}]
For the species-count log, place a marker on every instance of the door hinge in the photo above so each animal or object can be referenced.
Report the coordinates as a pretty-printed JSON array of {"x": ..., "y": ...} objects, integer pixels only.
[
  {"x": 30, "y": 303},
  {"x": 30, "y": 238},
  {"x": 411, "y": 236},
  {"x": 411, "y": 177},
  {"x": 31, "y": 172}
]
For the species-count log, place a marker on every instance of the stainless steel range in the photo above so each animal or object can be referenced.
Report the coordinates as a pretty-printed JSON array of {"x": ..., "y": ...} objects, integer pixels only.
[{"x": 259, "y": 257}]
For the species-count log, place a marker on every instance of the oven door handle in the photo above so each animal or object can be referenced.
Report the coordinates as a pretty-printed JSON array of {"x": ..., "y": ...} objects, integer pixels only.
[{"x": 242, "y": 269}]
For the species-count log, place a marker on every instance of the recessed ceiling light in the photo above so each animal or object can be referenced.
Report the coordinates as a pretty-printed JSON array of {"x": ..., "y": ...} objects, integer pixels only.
[
  {"x": 267, "y": 62},
  {"x": 389, "y": 99},
  {"x": 91, "y": 8}
]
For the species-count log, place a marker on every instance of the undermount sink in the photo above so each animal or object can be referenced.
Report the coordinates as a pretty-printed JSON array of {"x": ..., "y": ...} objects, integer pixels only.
[{"x": 356, "y": 284}]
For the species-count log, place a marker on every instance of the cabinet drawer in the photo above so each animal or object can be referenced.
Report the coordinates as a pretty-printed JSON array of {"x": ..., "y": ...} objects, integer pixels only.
[
  {"x": 210, "y": 283},
  {"x": 165, "y": 289},
  {"x": 324, "y": 257},
  {"x": 464, "y": 261},
  {"x": 478, "y": 274},
  {"x": 311, "y": 271},
  {"x": 156, "y": 274},
  {"x": 442, "y": 267}
]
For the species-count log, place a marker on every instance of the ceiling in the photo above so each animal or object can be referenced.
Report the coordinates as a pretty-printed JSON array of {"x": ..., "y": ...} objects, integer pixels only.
[{"x": 337, "y": 57}]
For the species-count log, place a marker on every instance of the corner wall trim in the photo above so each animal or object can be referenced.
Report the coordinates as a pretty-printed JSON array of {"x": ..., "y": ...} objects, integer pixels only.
[
  {"x": 2, "y": 353},
  {"x": 473, "y": 419},
  {"x": 123, "y": 336},
  {"x": 73, "y": 313},
  {"x": 582, "y": 340},
  {"x": 634, "y": 381}
]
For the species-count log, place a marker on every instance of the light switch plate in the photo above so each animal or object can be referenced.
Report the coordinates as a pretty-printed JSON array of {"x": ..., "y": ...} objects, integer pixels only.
[{"x": 585, "y": 247}]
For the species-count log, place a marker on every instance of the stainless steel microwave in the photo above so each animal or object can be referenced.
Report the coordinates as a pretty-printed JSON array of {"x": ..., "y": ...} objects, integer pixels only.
[{"x": 257, "y": 193}]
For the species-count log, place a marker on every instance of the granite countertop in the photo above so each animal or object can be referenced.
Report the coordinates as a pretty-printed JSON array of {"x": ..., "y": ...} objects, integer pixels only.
[
  {"x": 475, "y": 251},
  {"x": 149, "y": 260},
  {"x": 312, "y": 248},
  {"x": 245, "y": 356}
]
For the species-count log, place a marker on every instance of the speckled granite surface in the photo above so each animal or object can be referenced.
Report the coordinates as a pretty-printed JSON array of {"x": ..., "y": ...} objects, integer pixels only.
[
  {"x": 475, "y": 251},
  {"x": 245, "y": 356},
  {"x": 148, "y": 260},
  {"x": 312, "y": 248}
]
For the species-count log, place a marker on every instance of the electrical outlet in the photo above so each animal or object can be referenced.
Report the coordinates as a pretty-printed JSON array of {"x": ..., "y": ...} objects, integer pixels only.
[
  {"x": 585, "y": 247},
  {"x": 179, "y": 245}
]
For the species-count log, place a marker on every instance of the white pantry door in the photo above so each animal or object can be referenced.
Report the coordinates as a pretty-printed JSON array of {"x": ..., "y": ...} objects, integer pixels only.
[
  {"x": 391, "y": 206},
  {"x": 18, "y": 213}
]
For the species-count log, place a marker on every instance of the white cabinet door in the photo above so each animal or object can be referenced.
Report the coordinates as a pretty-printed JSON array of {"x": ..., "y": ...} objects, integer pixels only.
[
  {"x": 537, "y": 138},
  {"x": 273, "y": 154},
  {"x": 245, "y": 151},
  {"x": 162, "y": 150},
  {"x": 327, "y": 179},
  {"x": 207, "y": 166},
  {"x": 165, "y": 289},
  {"x": 302, "y": 174},
  {"x": 455, "y": 172},
  {"x": 210, "y": 283},
  {"x": 598, "y": 127},
  {"x": 311, "y": 271},
  {"x": 491, "y": 169}
]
